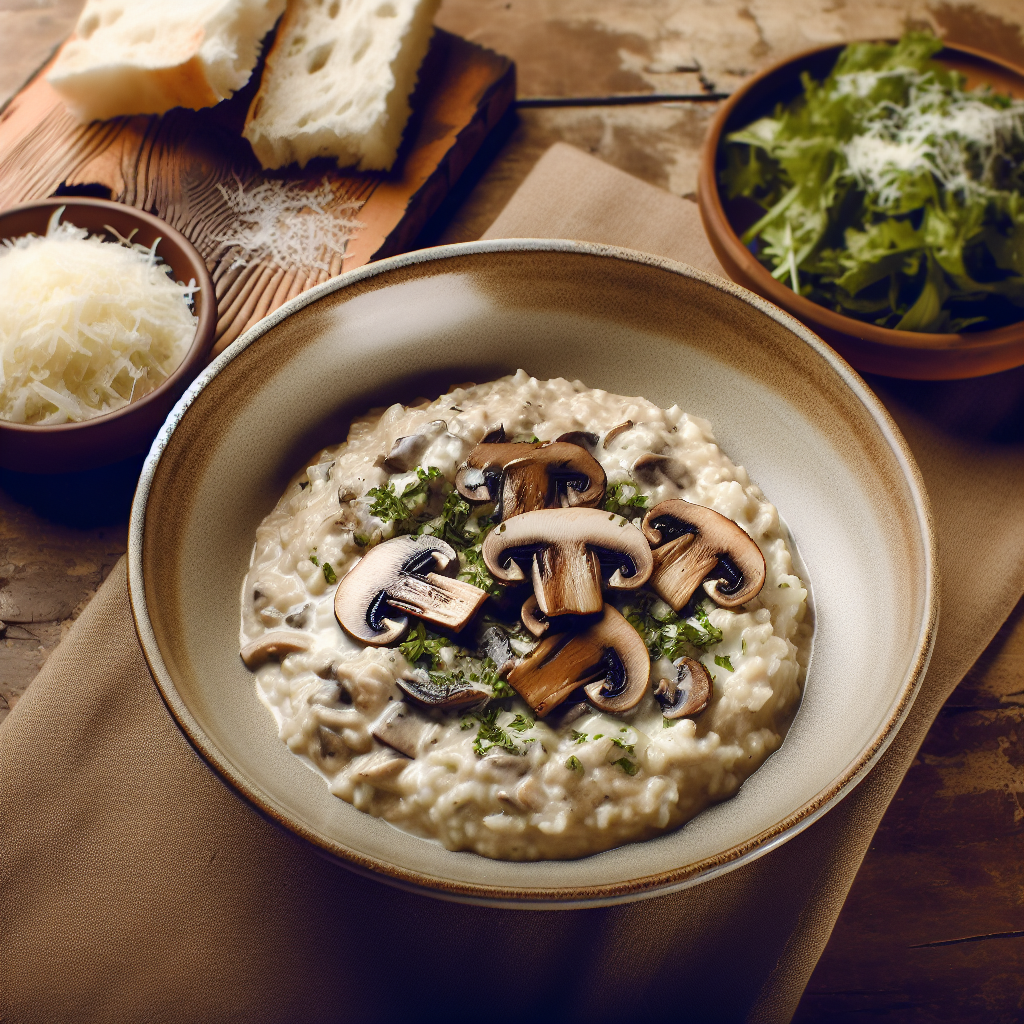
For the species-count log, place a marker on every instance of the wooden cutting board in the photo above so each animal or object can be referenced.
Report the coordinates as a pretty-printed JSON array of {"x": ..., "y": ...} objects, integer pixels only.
[{"x": 171, "y": 166}]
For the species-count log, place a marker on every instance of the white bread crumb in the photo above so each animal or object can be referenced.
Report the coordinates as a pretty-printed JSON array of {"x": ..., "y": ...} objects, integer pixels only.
[
  {"x": 147, "y": 56},
  {"x": 337, "y": 82}
]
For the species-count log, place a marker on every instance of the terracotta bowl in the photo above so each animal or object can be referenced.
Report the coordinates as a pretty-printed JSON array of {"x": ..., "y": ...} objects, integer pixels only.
[
  {"x": 867, "y": 347},
  {"x": 107, "y": 439},
  {"x": 782, "y": 404}
]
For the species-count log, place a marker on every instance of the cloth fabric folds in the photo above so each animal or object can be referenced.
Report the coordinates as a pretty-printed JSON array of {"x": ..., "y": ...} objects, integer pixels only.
[{"x": 135, "y": 886}]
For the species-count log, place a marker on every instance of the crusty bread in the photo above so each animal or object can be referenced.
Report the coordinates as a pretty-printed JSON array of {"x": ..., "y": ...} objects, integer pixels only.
[
  {"x": 337, "y": 82},
  {"x": 146, "y": 56}
]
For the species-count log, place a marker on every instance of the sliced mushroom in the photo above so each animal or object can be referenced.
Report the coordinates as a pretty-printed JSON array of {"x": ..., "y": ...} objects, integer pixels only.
[
  {"x": 569, "y": 550},
  {"x": 652, "y": 469},
  {"x": 406, "y": 452},
  {"x": 525, "y": 476},
  {"x": 406, "y": 730},
  {"x": 566, "y": 714},
  {"x": 273, "y": 645},
  {"x": 688, "y": 693},
  {"x": 398, "y": 577},
  {"x": 450, "y": 694},
  {"x": 615, "y": 431},
  {"x": 382, "y": 768},
  {"x": 691, "y": 543},
  {"x": 495, "y": 644},
  {"x": 584, "y": 438},
  {"x": 609, "y": 659},
  {"x": 533, "y": 618}
]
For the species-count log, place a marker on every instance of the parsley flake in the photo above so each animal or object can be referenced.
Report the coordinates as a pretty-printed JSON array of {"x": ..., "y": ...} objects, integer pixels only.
[
  {"x": 627, "y": 766},
  {"x": 722, "y": 661},
  {"x": 574, "y": 764},
  {"x": 329, "y": 574}
]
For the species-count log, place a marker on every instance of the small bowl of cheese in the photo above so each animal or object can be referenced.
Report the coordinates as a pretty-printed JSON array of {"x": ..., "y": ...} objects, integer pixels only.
[{"x": 107, "y": 314}]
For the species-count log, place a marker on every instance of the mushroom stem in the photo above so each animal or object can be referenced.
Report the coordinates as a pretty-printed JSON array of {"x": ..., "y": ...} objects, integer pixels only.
[
  {"x": 524, "y": 487},
  {"x": 609, "y": 659},
  {"x": 674, "y": 576},
  {"x": 439, "y": 599},
  {"x": 567, "y": 579}
]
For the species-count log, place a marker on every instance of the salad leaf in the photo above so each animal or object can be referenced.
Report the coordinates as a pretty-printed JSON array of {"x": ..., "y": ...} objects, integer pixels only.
[{"x": 889, "y": 193}]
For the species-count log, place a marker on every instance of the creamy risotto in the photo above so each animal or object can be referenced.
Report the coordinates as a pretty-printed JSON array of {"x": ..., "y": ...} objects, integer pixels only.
[{"x": 528, "y": 619}]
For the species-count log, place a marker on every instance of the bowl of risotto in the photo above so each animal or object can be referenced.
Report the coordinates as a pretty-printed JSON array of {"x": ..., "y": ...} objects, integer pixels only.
[{"x": 534, "y": 573}]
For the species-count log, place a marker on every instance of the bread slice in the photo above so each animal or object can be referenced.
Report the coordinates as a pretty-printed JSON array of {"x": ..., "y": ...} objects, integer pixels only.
[
  {"x": 146, "y": 56},
  {"x": 337, "y": 82}
]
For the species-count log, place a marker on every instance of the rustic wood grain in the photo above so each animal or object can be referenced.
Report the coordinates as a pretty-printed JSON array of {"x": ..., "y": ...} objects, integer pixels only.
[
  {"x": 172, "y": 166},
  {"x": 945, "y": 866}
]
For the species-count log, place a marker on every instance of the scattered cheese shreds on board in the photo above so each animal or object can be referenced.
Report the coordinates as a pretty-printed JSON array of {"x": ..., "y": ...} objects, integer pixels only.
[
  {"x": 288, "y": 224},
  {"x": 86, "y": 325}
]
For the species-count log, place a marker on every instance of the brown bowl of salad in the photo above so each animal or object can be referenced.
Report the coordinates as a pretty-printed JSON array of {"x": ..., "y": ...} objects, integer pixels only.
[{"x": 876, "y": 192}]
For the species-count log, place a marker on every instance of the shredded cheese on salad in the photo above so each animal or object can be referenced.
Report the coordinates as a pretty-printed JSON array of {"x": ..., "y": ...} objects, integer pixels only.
[{"x": 86, "y": 326}]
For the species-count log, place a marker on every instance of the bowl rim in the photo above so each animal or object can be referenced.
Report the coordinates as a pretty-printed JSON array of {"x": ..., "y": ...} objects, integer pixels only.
[
  {"x": 206, "y": 324},
  {"x": 633, "y": 889},
  {"x": 720, "y": 230}
]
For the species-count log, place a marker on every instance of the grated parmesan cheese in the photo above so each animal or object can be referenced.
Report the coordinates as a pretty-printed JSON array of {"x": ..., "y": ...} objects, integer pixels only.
[
  {"x": 86, "y": 326},
  {"x": 957, "y": 138},
  {"x": 288, "y": 224}
]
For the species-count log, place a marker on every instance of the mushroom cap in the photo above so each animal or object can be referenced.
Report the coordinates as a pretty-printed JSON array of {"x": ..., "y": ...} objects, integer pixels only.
[
  {"x": 533, "y": 618},
  {"x": 360, "y": 603},
  {"x": 736, "y": 551},
  {"x": 583, "y": 478},
  {"x": 614, "y": 538},
  {"x": 629, "y": 670},
  {"x": 688, "y": 694}
]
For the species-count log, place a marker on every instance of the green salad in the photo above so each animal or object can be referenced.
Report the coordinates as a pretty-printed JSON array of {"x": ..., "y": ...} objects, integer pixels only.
[{"x": 890, "y": 193}]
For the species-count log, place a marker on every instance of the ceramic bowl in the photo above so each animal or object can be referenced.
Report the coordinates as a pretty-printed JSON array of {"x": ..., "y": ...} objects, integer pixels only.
[
  {"x": 782, "y": 404},
  {"x": 869, "y": 348},
  {"x": 67, "y": 447}
]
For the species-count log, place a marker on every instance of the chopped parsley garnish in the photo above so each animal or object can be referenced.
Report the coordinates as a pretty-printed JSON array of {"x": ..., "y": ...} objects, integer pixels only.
[
  {"x": 578, "y": 737},
  {"x": 474, "y": 570},
  {"x": 722, "y": 661},
  {"x": 491, "y": 735},
  {"x": 314, "y": 559},
  {"x": 501, "y": 689},
  {"x": 400, "y": 509},
  {"x": 421, "y": 643},
  {"x": 667, "y": 723},
  {"x": 670, "y": 636},
  {"x": 625, "y": 500},
  {"x": 574, "y": 764},
  {"x": 623, "y": 745},
  {"x": 627, "y": 766},
  {"x": 521, "y": 723},
  {"x": 329, "y": 574}
]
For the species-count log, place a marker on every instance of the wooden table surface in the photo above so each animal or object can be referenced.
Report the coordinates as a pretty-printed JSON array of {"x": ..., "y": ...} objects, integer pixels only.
[{"x": 932, "y": 930}]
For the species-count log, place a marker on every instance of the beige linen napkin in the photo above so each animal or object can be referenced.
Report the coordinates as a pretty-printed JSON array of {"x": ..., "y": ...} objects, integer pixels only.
[{"x": 135, "y": 886}]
